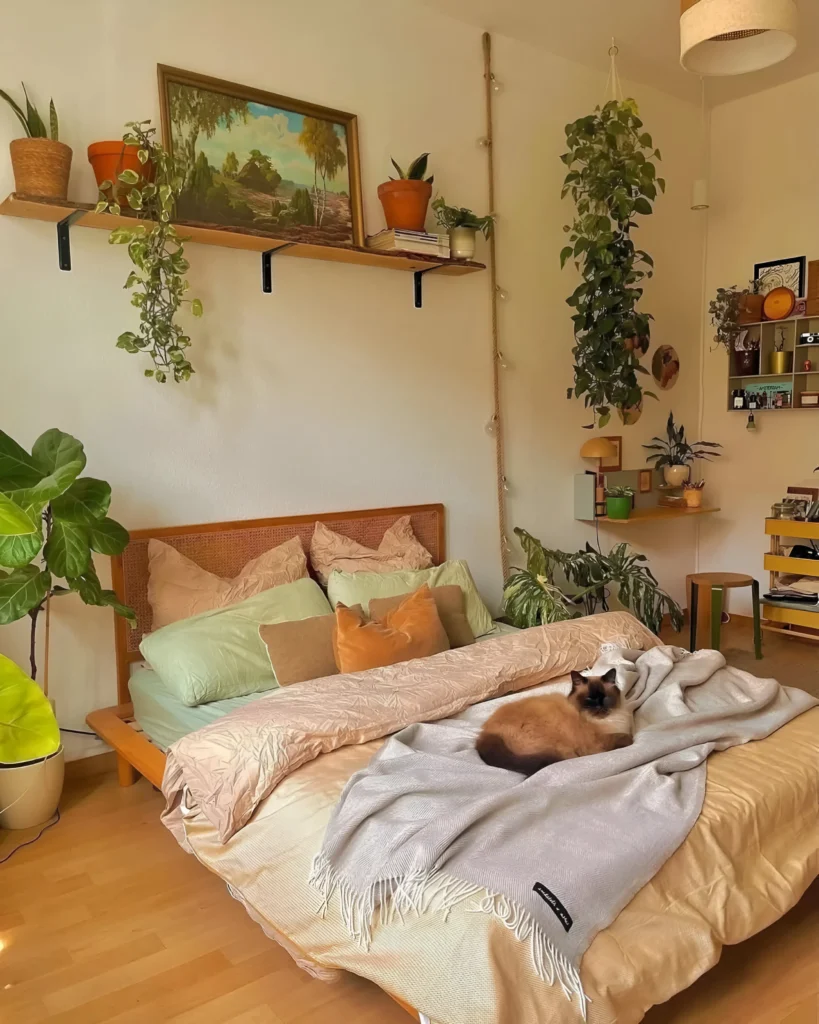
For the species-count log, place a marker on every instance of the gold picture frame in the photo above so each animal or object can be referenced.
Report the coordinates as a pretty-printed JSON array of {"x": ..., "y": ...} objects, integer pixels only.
[{"x": 259, "y": 161}]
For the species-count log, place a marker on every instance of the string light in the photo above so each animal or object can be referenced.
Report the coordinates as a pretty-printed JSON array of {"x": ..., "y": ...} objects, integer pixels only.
[
  {"x": 502, "y": 294},
  {"x": 491, "y": 427},
  {"x": 507, "y": 547},
  {"x": 484, "y": 142},
  {"x": 496, "y": 85},
  {"x": 502, "y": 361},
  {"x": 505, "y": 483}
]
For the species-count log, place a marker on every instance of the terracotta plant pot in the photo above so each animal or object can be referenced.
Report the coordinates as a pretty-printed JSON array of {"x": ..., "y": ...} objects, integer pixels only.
[
  {"x": 41, "y": 167},
  {"x": 405, "y": 203},
  {"x": 693, "y": 497},
  {"x": 747, "y": 362},
  {"x": 110, "y": 159},
  {"x": 30, "y": 792},
  {"x": 675, "y": 476},
  {"x": 750, "y": 308}
]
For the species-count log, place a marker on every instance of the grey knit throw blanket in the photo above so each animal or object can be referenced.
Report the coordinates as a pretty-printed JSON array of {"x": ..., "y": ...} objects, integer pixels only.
[{"x": 427, "y": 825}]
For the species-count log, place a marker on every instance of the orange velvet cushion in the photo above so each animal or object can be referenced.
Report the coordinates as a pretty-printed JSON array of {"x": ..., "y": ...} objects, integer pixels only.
[{"x": 412, "y": 630}]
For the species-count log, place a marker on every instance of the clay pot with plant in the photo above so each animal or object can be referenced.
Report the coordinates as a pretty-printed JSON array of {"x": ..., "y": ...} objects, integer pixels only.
[
  {"x": 405, "y": 199},
  {"x": 727, "y": 317},
  {"x": 675, "y": 455},
  {"x": 618, "y": 502},
  {"x": 462, "y": 225},
  {"x": 108, "y": 161},
  {"x": 41, "y": 163}
]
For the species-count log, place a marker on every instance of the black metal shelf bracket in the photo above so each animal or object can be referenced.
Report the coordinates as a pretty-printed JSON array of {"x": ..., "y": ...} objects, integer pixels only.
[
  {"x": 418, "y": 287},
  {"x": 267, "y": 267},
  {"x": 64, "y": 238}
]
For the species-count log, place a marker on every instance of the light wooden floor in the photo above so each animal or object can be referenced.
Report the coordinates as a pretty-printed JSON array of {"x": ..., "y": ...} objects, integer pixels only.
[{"x": 106, "y": 919}]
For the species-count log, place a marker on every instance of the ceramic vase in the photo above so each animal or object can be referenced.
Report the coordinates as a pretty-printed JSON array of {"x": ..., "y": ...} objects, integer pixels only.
[
  {"x": 462, "y": 243},
  {"x": 675, "y": 476}
]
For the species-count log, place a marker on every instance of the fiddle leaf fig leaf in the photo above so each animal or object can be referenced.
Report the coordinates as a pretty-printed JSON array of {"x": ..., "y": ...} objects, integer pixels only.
[
  {"x": 107, "y": 537},
  {"x": 20, "y": 591},
  {"x": 86, "y": 501},
  {"x": 17, "y": 551},
  {"x": 17, "y": 468},
  {"x": 67, "y": 550},
  {"x": 91, "y": 592},
  {"x": 14, "y": 520}
]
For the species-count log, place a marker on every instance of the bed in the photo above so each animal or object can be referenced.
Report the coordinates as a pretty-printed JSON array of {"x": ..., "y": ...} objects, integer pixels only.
[{"x": 748, "y": 859}]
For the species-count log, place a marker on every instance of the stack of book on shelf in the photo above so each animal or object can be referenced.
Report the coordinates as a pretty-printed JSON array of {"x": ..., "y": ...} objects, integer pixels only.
[{"x": 396, "y": 240}]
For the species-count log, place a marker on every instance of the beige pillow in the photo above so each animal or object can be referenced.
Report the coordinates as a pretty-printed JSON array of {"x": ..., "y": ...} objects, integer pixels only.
[
  {"x": 303, "y": 650},
  {"x": 451, "y": 604},
  {"x": 179, "y": 588},
  {"x": 399, "y": 549}
]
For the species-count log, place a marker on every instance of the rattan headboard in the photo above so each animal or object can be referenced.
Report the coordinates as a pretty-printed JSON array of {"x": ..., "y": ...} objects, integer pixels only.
[{"x": 224, "y": 548}]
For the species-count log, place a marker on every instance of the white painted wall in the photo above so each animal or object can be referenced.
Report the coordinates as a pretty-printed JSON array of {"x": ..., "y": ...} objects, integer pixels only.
[
  {"x": 332, "y": 393},
  {"x": 763, "y": 206}
]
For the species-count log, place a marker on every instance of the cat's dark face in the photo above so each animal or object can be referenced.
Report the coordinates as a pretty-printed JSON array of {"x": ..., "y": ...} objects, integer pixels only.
[{"x": 596, "y": 695}]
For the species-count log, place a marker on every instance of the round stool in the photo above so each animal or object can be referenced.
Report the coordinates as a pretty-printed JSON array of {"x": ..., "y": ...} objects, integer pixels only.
[{"x": 718, "y": 583}]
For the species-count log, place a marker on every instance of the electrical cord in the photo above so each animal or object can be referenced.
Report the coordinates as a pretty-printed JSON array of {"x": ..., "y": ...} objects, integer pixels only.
[
  {"x": 29, "y": 842},
  {"x": 80, "y": 732}
]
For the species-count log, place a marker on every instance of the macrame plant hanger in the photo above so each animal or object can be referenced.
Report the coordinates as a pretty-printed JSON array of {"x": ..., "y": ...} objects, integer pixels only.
[{"x": 614, "y": 90}]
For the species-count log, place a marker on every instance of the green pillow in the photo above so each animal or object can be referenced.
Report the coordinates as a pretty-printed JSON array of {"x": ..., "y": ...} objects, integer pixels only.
[
  {"x": 219, "y": 654},
  {"x": 362, "y": 587}
]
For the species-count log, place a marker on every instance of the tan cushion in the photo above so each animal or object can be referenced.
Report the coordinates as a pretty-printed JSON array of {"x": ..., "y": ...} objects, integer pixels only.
[
  {"x": 399, "y": 549},
  {"x": 411, "y": 630},
  {"x": 302, "y": 650},
  {"x": 179, "y": 588},
  {"x": 451, "y": 605}
]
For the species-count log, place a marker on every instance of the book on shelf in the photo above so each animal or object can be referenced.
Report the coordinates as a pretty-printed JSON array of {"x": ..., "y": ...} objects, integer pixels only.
[{"x": 396, "y": 240}]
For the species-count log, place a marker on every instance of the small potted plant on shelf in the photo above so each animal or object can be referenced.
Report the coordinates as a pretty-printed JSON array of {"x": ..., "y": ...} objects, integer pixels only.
[
  {"x": 692, "y": 493},
  {"x": 729, "y": 312},
  {"x": 462, "y": 225},
  {"x": 41, "y": 163},
  {"x": 405, "y": 199},
  {"x": 618, "y": 502},
  {"x": 675, "y": 455}
]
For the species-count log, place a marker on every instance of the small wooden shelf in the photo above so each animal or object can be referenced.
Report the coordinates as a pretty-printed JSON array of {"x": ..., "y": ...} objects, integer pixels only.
[
  {"x": 766, "y": 334},
  {"x": 66, "y": 214},
  {"x": 783, "y": 616},
  {"x": 642, "y": 515}
]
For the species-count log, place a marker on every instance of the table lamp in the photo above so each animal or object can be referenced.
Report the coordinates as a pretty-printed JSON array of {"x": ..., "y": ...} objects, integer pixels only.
[{"x": 599, "y": 448}]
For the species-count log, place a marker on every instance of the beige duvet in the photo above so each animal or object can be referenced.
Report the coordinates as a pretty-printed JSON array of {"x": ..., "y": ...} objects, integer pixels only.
[{"x": 751, "y": 855}]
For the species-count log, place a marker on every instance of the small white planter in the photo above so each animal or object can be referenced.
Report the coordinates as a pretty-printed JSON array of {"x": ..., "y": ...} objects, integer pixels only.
[
  {"x": 675, "y": 476},
  {"x": 29, "y": 793},
  {"x": 462, "y": 243}
]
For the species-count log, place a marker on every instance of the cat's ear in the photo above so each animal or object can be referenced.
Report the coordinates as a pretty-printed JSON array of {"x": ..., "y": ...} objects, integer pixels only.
[
  {"x": 577, "y": 680},
  {"x": 610, "y": 676}
]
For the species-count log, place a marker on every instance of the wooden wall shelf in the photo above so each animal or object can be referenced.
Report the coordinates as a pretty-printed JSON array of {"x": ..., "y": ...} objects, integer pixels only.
[
  {"x": 799, "y": 379},
  {"x": 642, "y": 515},
  {"x": 67, "y": 214}
]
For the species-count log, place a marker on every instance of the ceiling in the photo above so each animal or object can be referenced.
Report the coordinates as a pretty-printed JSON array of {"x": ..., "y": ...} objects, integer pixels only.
[{"x": 647, "y": 33}]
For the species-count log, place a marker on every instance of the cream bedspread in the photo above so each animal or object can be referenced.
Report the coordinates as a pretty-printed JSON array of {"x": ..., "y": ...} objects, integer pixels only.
[{"x": 748, "y": 859}]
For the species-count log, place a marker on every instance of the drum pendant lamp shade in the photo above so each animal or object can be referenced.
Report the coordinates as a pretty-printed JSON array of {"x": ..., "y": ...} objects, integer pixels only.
[{"x": 732, "y": 37}]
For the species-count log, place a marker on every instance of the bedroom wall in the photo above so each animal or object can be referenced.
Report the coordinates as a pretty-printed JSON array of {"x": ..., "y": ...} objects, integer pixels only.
[
  {"x": 764, "y": 206},
  {"x": 333, "y": 393}
]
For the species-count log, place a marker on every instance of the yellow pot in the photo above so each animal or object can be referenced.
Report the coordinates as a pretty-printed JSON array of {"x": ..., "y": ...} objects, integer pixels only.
[
  {"x": 781, "y": 362},
  {"x": 693, "y": 497}
]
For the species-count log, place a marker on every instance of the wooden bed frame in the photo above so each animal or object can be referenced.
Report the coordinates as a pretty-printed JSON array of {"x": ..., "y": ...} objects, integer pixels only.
[{"x": 221, "y": 548}]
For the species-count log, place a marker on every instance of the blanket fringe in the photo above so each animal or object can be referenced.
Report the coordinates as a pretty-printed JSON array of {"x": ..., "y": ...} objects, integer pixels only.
[{"x": 422, "y": 892}]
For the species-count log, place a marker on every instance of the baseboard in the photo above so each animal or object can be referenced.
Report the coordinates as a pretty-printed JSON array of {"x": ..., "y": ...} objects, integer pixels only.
[{"x": 87, "y": 767}]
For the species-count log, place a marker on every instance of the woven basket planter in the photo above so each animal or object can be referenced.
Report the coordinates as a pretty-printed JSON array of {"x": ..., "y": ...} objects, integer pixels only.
[{"x": 41, "y": 167}]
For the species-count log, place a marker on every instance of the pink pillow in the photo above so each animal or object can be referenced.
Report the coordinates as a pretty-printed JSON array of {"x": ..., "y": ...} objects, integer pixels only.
[
  {"x": 399, "y": 549},
  {"x": 179, "y": 588}
]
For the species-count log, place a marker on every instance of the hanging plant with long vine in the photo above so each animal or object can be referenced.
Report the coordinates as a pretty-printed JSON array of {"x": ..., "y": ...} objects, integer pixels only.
[
  {"x": 157, "y": 252},
  {"x": 612, "y": 180}
]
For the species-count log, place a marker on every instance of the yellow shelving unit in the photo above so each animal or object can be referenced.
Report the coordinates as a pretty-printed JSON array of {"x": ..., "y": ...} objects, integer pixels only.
[{"x": 782, "y": 616}]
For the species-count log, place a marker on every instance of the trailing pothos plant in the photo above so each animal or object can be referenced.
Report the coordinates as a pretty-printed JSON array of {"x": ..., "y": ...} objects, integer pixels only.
[
  {"x": 532, "y": 597},
  {"x": 51, "y": 520},
  {"x": 158, "y": 254},
  {"x": 612, "y": 180}
]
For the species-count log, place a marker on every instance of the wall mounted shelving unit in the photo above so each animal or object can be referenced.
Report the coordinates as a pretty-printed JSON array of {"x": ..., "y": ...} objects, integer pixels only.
[
  {"x": 67, "y": 215},
  {"x": 801, "y": 380}
]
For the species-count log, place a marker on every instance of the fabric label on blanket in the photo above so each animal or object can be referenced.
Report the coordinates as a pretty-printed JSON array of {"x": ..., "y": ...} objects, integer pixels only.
[{"x": 561, "y": 913}]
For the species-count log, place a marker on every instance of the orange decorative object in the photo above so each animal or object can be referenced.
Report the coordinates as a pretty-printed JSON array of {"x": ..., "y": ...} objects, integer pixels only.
[
  {"x": 779, "y": 303},
  {"x": 110, "y": 159}
]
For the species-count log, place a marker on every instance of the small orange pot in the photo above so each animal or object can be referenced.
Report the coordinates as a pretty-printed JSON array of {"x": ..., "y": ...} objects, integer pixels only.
[
  {"x": 110, "y": 159},
  {"x": 405, "y": 203}
]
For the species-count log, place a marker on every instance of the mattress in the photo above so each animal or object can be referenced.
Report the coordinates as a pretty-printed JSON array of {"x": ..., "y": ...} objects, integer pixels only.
[{"x": 165, "y": 719}]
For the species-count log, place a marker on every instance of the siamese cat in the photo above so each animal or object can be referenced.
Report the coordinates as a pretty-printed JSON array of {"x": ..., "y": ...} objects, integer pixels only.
[{"x": 527, "y": 735}]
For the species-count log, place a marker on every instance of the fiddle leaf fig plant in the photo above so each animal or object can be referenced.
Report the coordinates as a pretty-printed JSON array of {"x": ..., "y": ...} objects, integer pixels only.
[
  {"x": 157, "y": 252},
  {"x": 51, "y": 521},
  {"x": 612, "y": 180}
]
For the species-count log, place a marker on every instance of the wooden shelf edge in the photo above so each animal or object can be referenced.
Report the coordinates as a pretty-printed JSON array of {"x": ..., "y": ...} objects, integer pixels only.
[
  {"x": 660, "y": 512},
  {"x": 35, "y": 208}
]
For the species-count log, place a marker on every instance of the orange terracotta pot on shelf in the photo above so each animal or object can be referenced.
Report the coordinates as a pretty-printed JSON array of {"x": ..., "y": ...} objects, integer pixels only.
[
  {"x": 405, "y": 203},
  {"x": 109, "y": 159}
]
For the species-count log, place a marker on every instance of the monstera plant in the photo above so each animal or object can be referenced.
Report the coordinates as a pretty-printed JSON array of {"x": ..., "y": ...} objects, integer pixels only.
[
  {"x": 51, "y": 521},
  {"x": 613, "y": 181}
]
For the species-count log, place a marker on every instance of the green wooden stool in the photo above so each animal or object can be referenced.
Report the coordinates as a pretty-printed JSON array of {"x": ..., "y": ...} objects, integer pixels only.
[{"x": 718, "y": 583}]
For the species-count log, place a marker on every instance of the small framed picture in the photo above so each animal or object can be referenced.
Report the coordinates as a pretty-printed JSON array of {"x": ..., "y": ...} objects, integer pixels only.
[
  {"x": 645, "y": 481},
  {"x": 808, "y": 494},
  {"x": 788, "y": 273},
  {"x": 614, "y": 463}
]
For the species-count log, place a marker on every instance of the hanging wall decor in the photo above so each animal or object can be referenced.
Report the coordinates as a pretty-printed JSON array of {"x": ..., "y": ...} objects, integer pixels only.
[
  {"x": 789, "y": 273},
  {"x": 665, "y": 367},
  {"x": 733, "y": 37}
]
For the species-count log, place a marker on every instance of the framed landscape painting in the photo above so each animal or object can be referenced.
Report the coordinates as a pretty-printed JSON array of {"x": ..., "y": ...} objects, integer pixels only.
[{"x": 258, "y": 161}]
